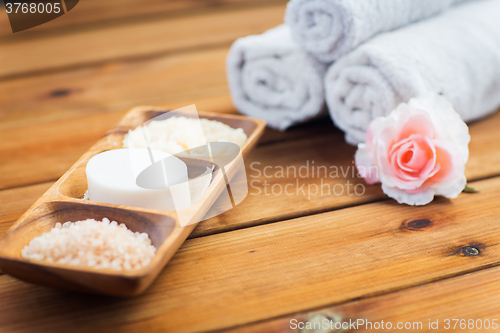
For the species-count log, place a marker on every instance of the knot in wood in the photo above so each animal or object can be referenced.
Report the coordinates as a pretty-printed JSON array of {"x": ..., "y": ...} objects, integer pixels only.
[
  {"x": 470, "y": 251},
  {"x": 418, "y": 224}
]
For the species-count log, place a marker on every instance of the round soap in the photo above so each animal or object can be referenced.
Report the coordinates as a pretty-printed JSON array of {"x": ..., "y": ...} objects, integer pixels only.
[{"x": 112, "y": 178}]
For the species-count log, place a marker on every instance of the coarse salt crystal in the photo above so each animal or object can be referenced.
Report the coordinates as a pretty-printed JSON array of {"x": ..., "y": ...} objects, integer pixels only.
[{"x": 97, "y": 244}]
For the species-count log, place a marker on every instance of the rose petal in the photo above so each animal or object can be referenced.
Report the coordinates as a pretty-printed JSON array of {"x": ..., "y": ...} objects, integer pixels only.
[
  {"x": 414, "y": 158},
  {"x": 383, "y": 144},
  {"x": 415, "y": 122},
  {"x": 413, "y": 199},
  {"x": 452, "y": 188},
  {"x": 365, "y": 166},
  {"x": 449, "y": 160},
  {"x": 399, "y": 148},
  {"x": 405, "y": 178}
]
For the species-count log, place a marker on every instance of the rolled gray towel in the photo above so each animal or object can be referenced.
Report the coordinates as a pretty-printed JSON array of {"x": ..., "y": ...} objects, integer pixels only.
[
  {"x": 456, "y": 54},
  {"x": 331, "y": 28},
  {"x": 270, "y": 77}
]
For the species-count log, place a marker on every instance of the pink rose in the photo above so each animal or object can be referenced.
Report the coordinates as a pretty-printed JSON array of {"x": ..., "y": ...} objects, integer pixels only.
[{"x": 416, "y": 152}]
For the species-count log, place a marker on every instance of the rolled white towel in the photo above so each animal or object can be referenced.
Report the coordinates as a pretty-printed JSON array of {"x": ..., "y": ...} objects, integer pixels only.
[
  {"x": 271, "y": 78},
  {"x": 456, "y": 54},
  {"x": 331, "y": 28}
]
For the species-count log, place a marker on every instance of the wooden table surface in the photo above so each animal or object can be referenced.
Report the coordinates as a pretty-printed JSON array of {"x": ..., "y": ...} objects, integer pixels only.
[{"x": 274, "y": 258}]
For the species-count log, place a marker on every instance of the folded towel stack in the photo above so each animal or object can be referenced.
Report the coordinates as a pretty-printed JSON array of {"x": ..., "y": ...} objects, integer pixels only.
[
  {"x": 272, "y": 78},
  {"x": 330, "y": 29},
  {"x": 456, "y": 54},
  {"x": 385, "y": 52}
]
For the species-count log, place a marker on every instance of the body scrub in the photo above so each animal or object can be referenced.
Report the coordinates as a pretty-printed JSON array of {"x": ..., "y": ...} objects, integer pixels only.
[{"x": 178, "y": 134}]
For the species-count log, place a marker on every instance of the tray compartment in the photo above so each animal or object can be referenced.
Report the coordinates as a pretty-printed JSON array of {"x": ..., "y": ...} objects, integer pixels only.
[{"x": 44, "y": 217}]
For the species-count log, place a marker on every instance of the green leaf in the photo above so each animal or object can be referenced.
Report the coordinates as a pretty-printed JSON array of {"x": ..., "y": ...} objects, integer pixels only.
[{"x": 468, "y": 189}]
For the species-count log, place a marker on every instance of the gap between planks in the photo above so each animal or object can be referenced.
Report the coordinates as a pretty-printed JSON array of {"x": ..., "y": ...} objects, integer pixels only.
[{"x": 282, "y": 268}]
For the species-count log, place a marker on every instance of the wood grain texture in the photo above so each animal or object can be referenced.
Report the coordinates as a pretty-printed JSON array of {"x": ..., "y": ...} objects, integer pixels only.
[
  {"x": 171, "y": 81},
  {"x": 296, "y": 178},
  {"x": 470, "y": 296},
  {"x": 14, "y": 202},
  {"x": 95, "y": 14},
  {"x": 44, "y": 146},
  {"x": 135, "y": 41},
  {"x": 282, "y": 268}
]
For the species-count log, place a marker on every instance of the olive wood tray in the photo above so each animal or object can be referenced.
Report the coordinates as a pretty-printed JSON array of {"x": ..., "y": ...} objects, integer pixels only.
[{"x": 62, "y": 202}]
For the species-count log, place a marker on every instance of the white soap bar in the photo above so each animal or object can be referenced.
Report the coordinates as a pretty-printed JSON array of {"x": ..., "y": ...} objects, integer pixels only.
[{"x": 112, "y": 175}]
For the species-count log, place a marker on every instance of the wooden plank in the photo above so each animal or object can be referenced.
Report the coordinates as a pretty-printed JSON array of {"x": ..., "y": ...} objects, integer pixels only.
[
  {"x": 281, "y": 268},
  {"x": 174, "y": 81},
  {"x": 296, "y": 178},
  {"x": 5, "y": 28},
  {"x": 38, "y": 154},
  {"x": 134, "y": 41},
  {"x": 16, "y": 201},
  {"x": 484, "y": 147},
  {"x": 96, "y": 14},
  {"x": 470, "y": 296}
]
